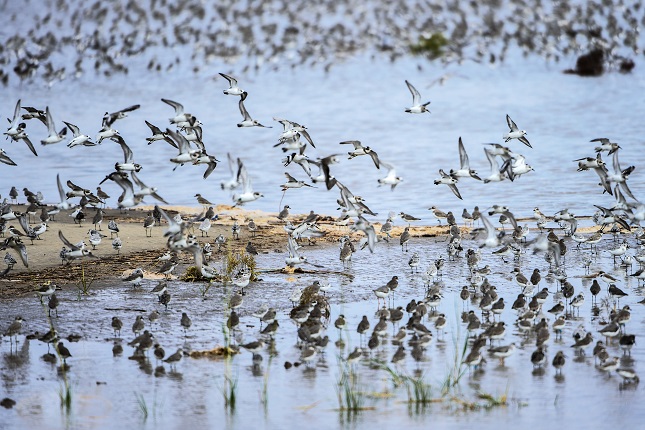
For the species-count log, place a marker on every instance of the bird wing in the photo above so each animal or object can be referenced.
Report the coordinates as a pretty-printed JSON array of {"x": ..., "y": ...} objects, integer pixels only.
[
  {"x": 127, "y": 152},
  {"x": 16, "y": 115},
  {"x": 179, "y": 108},
  {"x": 74, "y": 129},
  {"x": 231, "y": 80},
  {"x": 463, "y": 157},
  {"x": 67, "y": 242},
  {"x": 355, "y": 143},
  {"x": 243, "y": 110},
  {"x": 511, "y": 123},
  {"x": 416, "y": 97}
]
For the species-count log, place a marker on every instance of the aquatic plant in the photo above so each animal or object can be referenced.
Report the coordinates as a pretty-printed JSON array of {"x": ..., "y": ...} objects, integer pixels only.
[
  {"x": 203, "y": 289},
  {"x": 431, "y": 46},
  {"x": 65, "y": 390},
  {"x": 489, "y": 401},
  {"x": 264, "y": 394},
  {"x": 143, "y": 406},
  {"x": 65, "y": 396},
  {"x": 235, "y": 260},
  {"x": 457, "y": 369},
  {"x": 419, "y": 391},
  {"x": 84, "y": 283},
  {"x": 229, "y": 391},
  {"x": 397, "y": 377},
  {"x": 350, "y": 397}
]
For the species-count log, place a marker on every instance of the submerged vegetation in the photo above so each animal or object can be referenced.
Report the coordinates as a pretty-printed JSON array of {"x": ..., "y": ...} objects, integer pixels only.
[{"x": 432, "y": 46}]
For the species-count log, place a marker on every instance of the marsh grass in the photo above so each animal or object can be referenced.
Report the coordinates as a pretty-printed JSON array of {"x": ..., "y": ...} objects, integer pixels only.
[
  {"x": 229, "y": 392},
  {"x": 65, "y": 390},
  {"x": 65, "y": 397},
  {"x": 264, "y": 394},
  {"x": 351, "y": 398},
  {"x": 419, "y": 391},
  {"x": 397, "y": 377},
  {"x": 84, "y": 283},
  {"x": 143, "y": 406},
  {"x": 203, "y": 289},
  {"x": 235, "y": 260},
  {"x": 485, "y": 401},
  {"x": 456, "y": 369}
]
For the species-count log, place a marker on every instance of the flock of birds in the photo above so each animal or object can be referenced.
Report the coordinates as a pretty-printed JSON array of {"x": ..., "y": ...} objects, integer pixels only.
[
  {"x": 483, "y": 320},
  {"x": 70, "y": 38}
]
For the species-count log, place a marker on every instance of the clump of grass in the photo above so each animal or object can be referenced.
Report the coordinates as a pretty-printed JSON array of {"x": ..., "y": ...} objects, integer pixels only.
[
  {"x": 192, "y": 274},
  {"x": 456, "y": 371},
  {"x": 84, "y": 283},
  {"x": 65, "y": 396},
  {"x": 264, "y": 394},
  {"x": 419, "y": 391},
  {"x": 350, "y": 398},
  {"x": 236, "y": 260},
  {"x": 143, "y": 406},
  {"x": 229, "y": 391},
  {"x": 491, "y": 401},
  {"x": 65, "y": 391},
  {"x": 397, "y": 377},
  {"x": 431, "y": 46}
]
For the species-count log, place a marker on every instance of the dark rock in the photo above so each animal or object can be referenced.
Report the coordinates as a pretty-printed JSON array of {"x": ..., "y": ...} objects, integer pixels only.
[
  {"x": 626, "y": 65},
  {"x": 7, "y": 403},
  {"x": 590, "y": 64}
]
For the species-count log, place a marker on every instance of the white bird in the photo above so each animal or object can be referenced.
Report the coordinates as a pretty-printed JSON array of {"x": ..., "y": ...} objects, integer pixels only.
[
  {"x": 53, "y": 136},
  {"x": 247, "y": 195},
  {"x": 417, "y": 106},
  {"x": 464, "y": 170},
  {"x": 391, "y": 178},
  {"x": 515, "y": 133},
  {"x": 117, "y": 244},
  {"x": 21, "y": 134},
  {"x": 496, "y": 175},
  {"x": 14, "y": 123},
  {"x": 295, "y": 296},
  {"x": 128, "y": 165},
  {"x": 293, "y": 183},
  {"x": 146, "y": 190},
  {"x": 127, "y": 199},
  {"x": 186, "y": 154},
  {"x": 359, "y": 150},
  {"x": 234, "y": 167},
  {"x": 4, "y": 158},
  {"x": 181, "y": 118},
  {"x": 294, "y": 258},
  {"x": 247, "y": 121},
  {"x": 63, "y": 204},
  {"x": 449, "y": 180},
  {"x": 75, "y": 251},
  {"x": 233, "y": 88},
  {"x": 78, "y": 138}
]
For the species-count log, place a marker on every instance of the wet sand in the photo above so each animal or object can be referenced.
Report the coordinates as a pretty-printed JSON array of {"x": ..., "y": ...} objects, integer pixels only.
[{"x": 141, "y": 251}]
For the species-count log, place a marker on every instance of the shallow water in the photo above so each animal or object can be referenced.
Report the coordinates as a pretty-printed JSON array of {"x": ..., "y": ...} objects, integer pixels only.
[
  {"x": 364, "y": 100},
  {"x": 190, "y": 393},
  {"x": 361, "y": 98}
]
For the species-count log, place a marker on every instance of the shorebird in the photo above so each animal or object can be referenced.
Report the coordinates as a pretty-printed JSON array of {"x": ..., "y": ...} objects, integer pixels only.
[
  {"x": 417, "y": 106},
  {"x": 233, "y": 89},
  {"x": 515, "y": 133},
  {"x": 247, "y": 121}
]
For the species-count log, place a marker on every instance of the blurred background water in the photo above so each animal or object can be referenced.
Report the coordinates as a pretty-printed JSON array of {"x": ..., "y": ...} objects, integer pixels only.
[{"x": 342, "y": 91}]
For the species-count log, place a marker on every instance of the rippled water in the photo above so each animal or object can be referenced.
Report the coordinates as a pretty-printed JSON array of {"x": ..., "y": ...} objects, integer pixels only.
[
  {"x": 191, "y": 393},
  {"x": 362, "y": 100}
]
